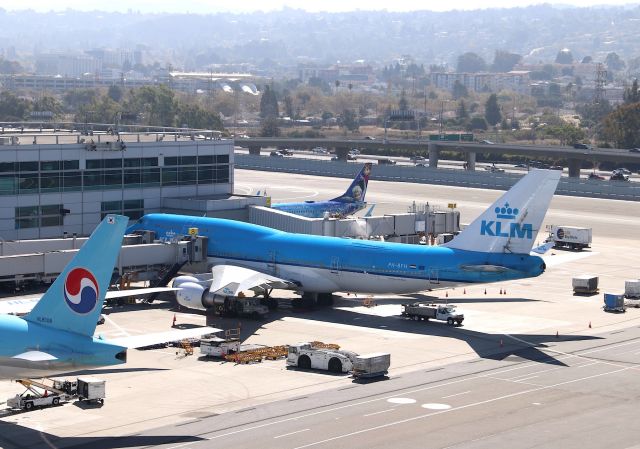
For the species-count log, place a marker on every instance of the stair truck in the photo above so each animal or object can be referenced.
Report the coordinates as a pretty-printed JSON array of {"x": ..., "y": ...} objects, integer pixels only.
[{"x": 442, "y": 312}]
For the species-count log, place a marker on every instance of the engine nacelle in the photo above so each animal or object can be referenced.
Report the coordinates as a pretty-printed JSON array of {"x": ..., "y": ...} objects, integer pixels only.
[
  {"x": 191, "y": 295},
  {"x": 178, "y": 281}
]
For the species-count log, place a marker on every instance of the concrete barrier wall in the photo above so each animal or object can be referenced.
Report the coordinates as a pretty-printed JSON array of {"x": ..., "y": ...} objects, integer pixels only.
[{"x": 619, "y": 190}]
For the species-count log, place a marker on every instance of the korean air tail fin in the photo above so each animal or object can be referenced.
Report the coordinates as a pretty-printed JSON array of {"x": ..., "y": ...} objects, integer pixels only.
[
  {"x": 511, "y": 224},
  {"x": 74, "y": 301},
  {"x": 358, "y": 188}
]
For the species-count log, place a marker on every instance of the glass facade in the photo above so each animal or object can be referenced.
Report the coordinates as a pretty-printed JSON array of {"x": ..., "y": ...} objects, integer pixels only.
[
  {"x": 103, "y": 174},
  {"x": 133, "y": 209},
  {"x": 39, "y": 216}
]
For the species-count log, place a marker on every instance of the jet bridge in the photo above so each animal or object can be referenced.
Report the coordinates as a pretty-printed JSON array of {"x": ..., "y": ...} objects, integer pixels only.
[{"x": 143, "y": 258}]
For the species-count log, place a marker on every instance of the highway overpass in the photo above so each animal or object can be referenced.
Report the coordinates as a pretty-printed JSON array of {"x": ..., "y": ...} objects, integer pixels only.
[{"x": 574, "y": 156}]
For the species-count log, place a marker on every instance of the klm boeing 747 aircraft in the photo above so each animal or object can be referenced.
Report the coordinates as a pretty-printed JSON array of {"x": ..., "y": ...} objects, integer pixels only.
[
  {"x": 57, "y": 335},
  {"x": 494, "y": 247},
  {"x": 348, "y": 203}
]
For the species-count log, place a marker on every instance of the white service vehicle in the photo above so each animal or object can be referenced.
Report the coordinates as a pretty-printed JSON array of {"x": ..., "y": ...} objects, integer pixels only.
[
  {"x": 305, "y": 356},
  {"x": 91, "y": 389},
  {"x": 425, "y": 311},
  {"x": 569, "y": 237},
  {"x": 37, "y": 394}
]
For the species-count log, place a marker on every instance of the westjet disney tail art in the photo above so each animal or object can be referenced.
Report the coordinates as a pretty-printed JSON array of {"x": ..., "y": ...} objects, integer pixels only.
[
  {"x": 350, "y": 202},
  {"x": 494, "y": 247}
]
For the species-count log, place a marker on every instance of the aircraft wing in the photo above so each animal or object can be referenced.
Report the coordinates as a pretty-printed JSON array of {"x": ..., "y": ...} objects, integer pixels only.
[
  {"x": 229, "y": 280},
  {"x": 24, "y": 306},
  {"x": 113, "y": 294},
  {"x": 140, "y": 341}
]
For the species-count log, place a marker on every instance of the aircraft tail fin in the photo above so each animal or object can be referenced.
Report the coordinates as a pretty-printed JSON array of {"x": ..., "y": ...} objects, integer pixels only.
[
  {"x": 358, "y": 188},
  {"x": 74, "y": 301},
  {"x": 511, "y": 224}
]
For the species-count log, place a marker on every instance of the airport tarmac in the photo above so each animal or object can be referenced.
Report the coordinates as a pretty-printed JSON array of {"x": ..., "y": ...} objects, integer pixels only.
[{"x": 160, "y": 397}]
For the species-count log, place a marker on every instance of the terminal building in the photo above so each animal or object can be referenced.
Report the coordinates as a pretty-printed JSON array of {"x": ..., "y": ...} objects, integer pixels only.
[{"x": 64, "y": 183}]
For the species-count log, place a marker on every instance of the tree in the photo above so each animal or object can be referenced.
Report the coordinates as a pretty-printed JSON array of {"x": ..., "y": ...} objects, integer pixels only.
[
  {"x": 349, "y": 120},
  {"x": 503, "y": 61},
  {"x": 587, "y": 60},
  {"x": 195, "y": 116},
  {"x": 288, "y": 106},
  {"x": 492, "y": 111},
  {"x": 564, "y": 56},
  {"x": 403, "y": 104},
  {"x": 471, "y": 62},
  {"x": 270, "y": 127},
  {"x": 12, "y": 107},
  {"x": 614, "y": 63},
  {"x": 631, "y": 94},
  {"x": 477, "y": 123},
  {"x": 459, "y": 90},
  {"x": 269, "y": 103},
  {"x": 115, "y": 93},
  {"x": 462, "y": 111},
  {"x": 48, "y": 103},
  {"x": 622, "y": 126}
]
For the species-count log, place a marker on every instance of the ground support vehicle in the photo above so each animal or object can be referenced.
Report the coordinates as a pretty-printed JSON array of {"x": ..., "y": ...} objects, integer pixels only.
[
  {"x": 38, "y": 394},
  {"x": 569, "y": 237},
  {"x": 371, "y": 365},
  {"x": 307, "y": 356},
  {"x": 613, "y": 303},
  {"x": 585, "y": 284},
  {"x": 442, "y": 312},
  {"x": 91, "y": 389},
  {"x": 240, "y": 306}
]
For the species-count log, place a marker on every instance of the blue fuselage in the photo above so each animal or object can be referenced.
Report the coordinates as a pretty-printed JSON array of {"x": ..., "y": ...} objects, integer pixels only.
[
  {"x": 71, "y": 351},
  {"x": 312, "y": 209},
  {"x": 330, "y": 264}
]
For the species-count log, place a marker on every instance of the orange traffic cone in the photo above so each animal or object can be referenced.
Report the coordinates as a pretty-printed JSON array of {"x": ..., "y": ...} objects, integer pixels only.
[
  {"x": 500, "y": 291},
  {"x": 446, "y": 295},
  {"x": 174, "y": 321},
  {"x": 557, "y": 335},
  {"x": 464, "y": 292},
  {"x": 589, "y": 324},
  {"x": 505, "y": 291},
  {"x": 485, "y": 291}
]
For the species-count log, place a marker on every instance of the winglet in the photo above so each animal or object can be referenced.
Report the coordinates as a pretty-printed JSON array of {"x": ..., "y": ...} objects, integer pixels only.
[
  {"x": 74, "y": 301},
  {"x": 511, "y": 224}
]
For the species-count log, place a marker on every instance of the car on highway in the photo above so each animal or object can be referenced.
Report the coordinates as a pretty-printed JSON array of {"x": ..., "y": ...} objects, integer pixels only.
[
  {"x": 487, "y": 142},
  {"x": 386, "y": 161},
  {"x": 369, "y": 138},
  {"x": 556, "y": 167},
  {"x": 521, "y": 166},
  {"x": 416, "y": 158},
  {"x": 618, "y": 175},
  {"x": 596, "y": 176},
  {"x": 634, "y": 150},
  {"x": 286, "y": 152},
  {"x": 624, "y": 171},
  {"x": 320, "y": 150},
  {"x": 276, "y": 154},
  {"x": 493, "y": 169},
  {"x": 354, "y": 151},
  {"x": 582, "y": 146}
]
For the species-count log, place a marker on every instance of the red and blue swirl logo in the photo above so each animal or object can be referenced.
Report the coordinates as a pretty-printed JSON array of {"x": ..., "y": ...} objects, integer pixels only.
[{"x": 81, "y": 291}]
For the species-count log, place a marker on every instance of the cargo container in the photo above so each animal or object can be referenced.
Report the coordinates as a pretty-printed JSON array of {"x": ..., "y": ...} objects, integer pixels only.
[
  {"x": 91, "y": 389},
  {"x": 585, "y": 284},
  {"x": 371, "y": 365},
  {"x": 613, "y": 302},
  {"x": 632, "y": 288}
]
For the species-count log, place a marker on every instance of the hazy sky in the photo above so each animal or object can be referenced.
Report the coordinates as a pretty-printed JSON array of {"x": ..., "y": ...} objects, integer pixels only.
[{"x": 211, "y": 6}]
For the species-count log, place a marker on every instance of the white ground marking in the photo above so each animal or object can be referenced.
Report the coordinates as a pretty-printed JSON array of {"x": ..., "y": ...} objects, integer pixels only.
[
  {"x": 417, "y": 390},
  {"x": 436, "y": 406},
  {"x": 462, "y": 407},
  {"x": 290, "y": 433},
  {"x": 381, "y": 411},
  {"x": 525, "y": 378},
  {"x": 456, "y": 394},
  {"x": 401, "y": 401},
  {"x": 113, "y": 323},
  {"x": 556, "y": 258}
]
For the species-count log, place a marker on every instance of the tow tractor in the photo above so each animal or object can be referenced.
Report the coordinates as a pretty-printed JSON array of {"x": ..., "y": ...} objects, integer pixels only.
[
  {"x": 38, "y": 394},
  {"x": 329, "y": 357}
]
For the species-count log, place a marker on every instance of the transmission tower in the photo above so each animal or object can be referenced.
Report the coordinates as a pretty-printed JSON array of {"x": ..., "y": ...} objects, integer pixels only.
[{"x": 601, "y": 80}]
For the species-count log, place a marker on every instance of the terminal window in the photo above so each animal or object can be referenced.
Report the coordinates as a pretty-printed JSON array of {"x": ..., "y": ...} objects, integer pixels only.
[
  {"x": 133, "y": 209},
  {"x": 39, "y": 216}
]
